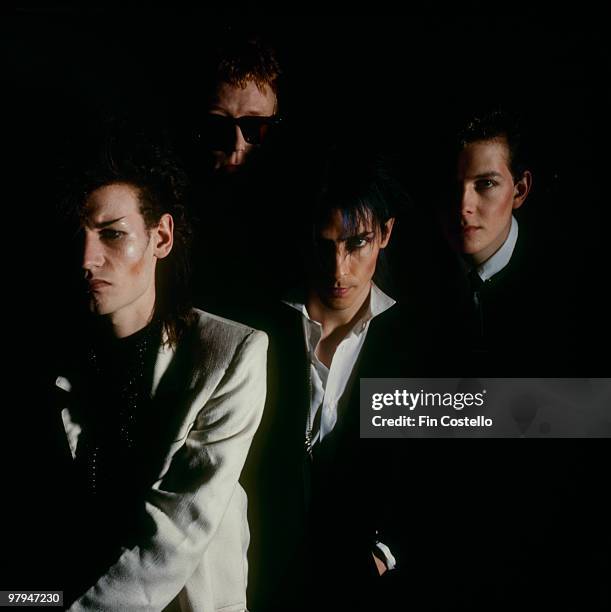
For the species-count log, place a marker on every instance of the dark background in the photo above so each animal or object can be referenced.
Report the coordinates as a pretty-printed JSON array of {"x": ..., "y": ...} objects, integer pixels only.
[{"x": 402, "y": 79}]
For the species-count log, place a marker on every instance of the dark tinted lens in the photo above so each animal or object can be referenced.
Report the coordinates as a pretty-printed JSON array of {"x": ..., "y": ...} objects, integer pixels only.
[
  {"x": 254, "y": 129},
  {"x": 219, "y": 132}
]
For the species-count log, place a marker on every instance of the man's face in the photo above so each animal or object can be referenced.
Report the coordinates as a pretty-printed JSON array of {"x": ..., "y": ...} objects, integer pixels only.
[
  {"x": 234, "y": 101},
  {"x": 347, "y": 261},
  {"x": 488, "y": 196},
  {"x": 119, "y": 254}
]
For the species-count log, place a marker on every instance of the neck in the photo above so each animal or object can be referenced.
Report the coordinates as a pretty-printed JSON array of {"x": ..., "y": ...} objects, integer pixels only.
[
  {"x": 332, "y": 319},
  {"x": 126, "y": 322}
]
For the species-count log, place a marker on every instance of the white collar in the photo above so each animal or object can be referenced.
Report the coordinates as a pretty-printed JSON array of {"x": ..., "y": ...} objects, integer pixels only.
[
  {"x": 501, "y": 258},
  {"x": 378, "y": 303}
]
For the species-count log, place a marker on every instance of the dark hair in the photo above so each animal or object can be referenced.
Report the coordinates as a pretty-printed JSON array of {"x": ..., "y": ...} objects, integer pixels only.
[
  {"x": 240, "y": 60},
  {"x": 361, "y": 185},
  {"x": 162, "y": 187},
  {"x": 498, "y": 125}
]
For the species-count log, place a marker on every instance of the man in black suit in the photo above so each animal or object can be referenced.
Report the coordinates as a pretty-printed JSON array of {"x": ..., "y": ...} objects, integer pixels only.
[
  {"x": 531, "y": 512},
  {"x": 492, "y": 183},
  {"x": 317, "y": 524},
  {"x": 524, "y": 305}
]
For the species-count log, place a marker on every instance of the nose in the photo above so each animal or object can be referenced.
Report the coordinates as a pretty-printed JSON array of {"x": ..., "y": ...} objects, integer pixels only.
[
  {"x": 467, "y": 202},
  {"x": 240, "y": 146},
  {"x": 341, "y": 262},
  {"x": 93, "y": 257}
]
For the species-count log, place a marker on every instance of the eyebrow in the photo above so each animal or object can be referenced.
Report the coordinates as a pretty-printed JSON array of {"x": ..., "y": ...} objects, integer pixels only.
[
  {"x": 104, "y": 224},
  {"x": 255, "y": 113},
  {"x": 360, "y": 235},
  {"x": 247, "y": 113},
  {"x": 345, "y": 238},
  {"x": 488, "y": 174}
]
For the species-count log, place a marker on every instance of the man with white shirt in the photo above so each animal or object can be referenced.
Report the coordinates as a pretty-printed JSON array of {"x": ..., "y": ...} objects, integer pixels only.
[
  {"x": 339, "y": 327},
  {"x": 527, "y": 308},
  {"x": 523, "y": 326},
  {"x": 492, "y": 182},
  {"x": 338, "y": 308}
]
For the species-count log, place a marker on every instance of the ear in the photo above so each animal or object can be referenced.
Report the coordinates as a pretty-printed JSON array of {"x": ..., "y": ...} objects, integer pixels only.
[
  {"x": 163, "y": 236},
  {"x": 521, "y": 189},
  {"x": 387, "y": 232}
]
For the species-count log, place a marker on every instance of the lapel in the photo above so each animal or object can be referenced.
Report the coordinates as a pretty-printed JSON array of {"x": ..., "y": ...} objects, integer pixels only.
[
  {"x": 183, "y": 380},
  {"x": 288, "y": 387},
  {"x": 278, "y": 447}
]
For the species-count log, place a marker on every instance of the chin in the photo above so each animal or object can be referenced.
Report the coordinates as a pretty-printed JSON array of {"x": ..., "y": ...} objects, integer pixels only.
[
  {"x": 98, "y": 308},
  {"x": 338, "y": 303},
  {"x": 93, "y": 307},
  {"x": 471, "y": 249}
]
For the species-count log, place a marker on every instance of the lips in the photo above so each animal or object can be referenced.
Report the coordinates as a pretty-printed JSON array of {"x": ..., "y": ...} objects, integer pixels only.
[
  {"x": 97, "y": 284},
  {"x": 338, "y": 292},
  {"x": 471, "y": 229}
]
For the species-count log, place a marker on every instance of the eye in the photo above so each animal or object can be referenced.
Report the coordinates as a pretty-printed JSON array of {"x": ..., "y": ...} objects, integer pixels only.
[
  {"x": 484, "y": 184},
  {"x": 358, "y": 242},
  {"x": 111, "y": 234}
]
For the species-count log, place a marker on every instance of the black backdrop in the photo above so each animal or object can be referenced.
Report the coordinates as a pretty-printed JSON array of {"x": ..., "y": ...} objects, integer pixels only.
[{"x": 403, "y": 78}]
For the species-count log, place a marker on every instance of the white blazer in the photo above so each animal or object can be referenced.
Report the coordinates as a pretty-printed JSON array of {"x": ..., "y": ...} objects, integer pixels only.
[{"x": 196, "y": 559}]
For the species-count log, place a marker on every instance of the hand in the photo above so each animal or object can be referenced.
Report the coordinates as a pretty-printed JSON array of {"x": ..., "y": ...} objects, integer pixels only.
[{"x": 380, "y": 565}]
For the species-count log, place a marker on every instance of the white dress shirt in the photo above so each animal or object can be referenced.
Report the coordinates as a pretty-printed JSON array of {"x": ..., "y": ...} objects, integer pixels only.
[
  {"x": 328, "y": 385},
  {"x": 501, "y": 258}
]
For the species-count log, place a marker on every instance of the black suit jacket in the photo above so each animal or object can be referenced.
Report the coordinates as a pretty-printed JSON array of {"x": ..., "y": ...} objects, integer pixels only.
[
  {"x": 314, "y": 523},
  {"x": 537, "y": 316},
  {"x": 477, "y": 524}
]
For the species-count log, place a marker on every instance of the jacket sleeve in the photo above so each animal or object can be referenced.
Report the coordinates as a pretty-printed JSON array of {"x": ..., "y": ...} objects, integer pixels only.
[{"x": 188, "y": 503}]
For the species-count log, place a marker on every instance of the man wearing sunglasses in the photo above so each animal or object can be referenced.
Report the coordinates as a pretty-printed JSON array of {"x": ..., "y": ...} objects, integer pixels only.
[
  {"x": 243, "y": 106},
  {"x": 232, "y": 163}
]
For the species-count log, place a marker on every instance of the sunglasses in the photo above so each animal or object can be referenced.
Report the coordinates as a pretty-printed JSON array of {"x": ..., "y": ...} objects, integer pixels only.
[{"x": 218, "y": 132}]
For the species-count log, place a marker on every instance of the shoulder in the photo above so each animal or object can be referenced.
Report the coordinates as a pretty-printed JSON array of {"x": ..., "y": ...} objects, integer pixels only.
[
  {"x": 212, "y": 347},
  {"x": 226, "y": 335}
]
